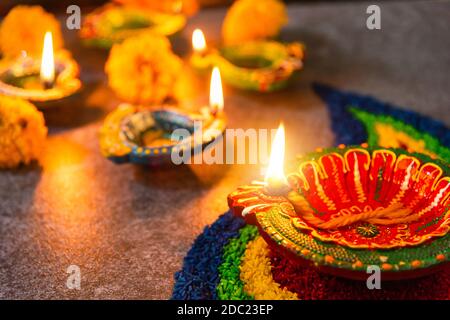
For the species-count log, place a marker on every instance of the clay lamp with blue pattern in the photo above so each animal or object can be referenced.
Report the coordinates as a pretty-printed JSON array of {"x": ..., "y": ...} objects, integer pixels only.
[{"x": 164, "y": 134}]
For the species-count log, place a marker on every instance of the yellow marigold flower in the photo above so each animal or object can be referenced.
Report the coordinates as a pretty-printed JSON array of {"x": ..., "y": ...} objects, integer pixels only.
[
  {"x": 249, "y": 20},
  {"x": 188, "y": 7},
  {"x": 24, "y": 28},
  {"x": 143, "y": 69},
  {"x": 22, "y": 132}
]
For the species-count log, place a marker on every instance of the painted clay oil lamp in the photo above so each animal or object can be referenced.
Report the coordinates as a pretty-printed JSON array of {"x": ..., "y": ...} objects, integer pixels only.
[
  {"x": 256, "y": 66},
  {"x": 145, "y": 136},
  {"x": 45, "y": 81},
  {"x": 348, "y": 208},
  {"x": 114, "y": 23}
]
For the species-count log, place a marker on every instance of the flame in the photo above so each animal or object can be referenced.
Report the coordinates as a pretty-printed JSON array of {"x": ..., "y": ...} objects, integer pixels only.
[
  {"x": 275, "y": 171},
  {"x": 198, "y": 41},
  {"x": 47, "y": 61},
  {"x": 215, "y": 91}
]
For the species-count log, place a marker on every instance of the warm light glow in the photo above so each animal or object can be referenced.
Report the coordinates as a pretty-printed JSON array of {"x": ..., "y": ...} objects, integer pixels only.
[
  {"x": 215, "y": 91},
  {"x": 198, "y": 41},
  {"x": 47, "y": 60},
  {"x": 275, "y": 171},
  {"x": 177, "y": 7}
]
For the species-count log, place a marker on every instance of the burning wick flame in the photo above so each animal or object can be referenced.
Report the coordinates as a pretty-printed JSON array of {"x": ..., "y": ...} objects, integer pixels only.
[
  {"x": 47, "y": 62},
  {"x": 198, "y": 41},
  {"x": 215, "y": 92},
  {"x": 275, "y": 171}
]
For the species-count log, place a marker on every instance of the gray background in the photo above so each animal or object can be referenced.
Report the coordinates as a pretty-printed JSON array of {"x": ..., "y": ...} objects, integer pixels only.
[{"x": 127, "y": 227}]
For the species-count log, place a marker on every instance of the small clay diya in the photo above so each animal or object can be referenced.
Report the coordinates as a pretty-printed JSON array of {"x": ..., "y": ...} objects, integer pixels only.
[
  {"x": 257, "y": 66},
  {"x": 21, "y": 78},
  {"x": 349, "y": 208},
  {"x": 142, "y": 136},
  {"x": 114, "y": 23}
]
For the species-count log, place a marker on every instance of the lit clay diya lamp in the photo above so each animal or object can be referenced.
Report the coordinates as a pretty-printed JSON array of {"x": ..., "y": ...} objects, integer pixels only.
[
  {"x": 131, "y": 134},
  {"x": 113, "y": 23},
  {"x": 257, "y": 66},
  {"x": 349, "y": 208},
  {"x": 44, "y": 81}
]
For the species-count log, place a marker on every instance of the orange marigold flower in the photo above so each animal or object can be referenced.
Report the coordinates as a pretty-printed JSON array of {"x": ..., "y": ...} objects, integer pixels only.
[
  {"x": 143, "y": 69},
  {"x": 188, "y": 7},
  {"x": 22, "y": 132},
  {"x": 249, "y": 20},
  {"x": 24, "y": 29}
]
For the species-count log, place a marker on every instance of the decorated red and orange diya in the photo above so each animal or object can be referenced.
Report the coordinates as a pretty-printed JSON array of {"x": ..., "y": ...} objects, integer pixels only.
[{"x": 348, "y": 208}]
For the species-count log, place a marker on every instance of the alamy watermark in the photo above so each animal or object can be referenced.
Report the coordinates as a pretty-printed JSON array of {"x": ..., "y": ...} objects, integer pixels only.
[
  {"x": 74, "y": 279},
  {"x": 237, "y": 146},
  {"x": 73, "y": 21},
  {"x": 373, "y": 21},
  {"x": 374, "y": 280}
]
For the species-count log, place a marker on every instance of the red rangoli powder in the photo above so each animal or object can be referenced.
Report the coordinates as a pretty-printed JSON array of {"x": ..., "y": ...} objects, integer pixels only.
[{"x": 310, "y": 284}]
